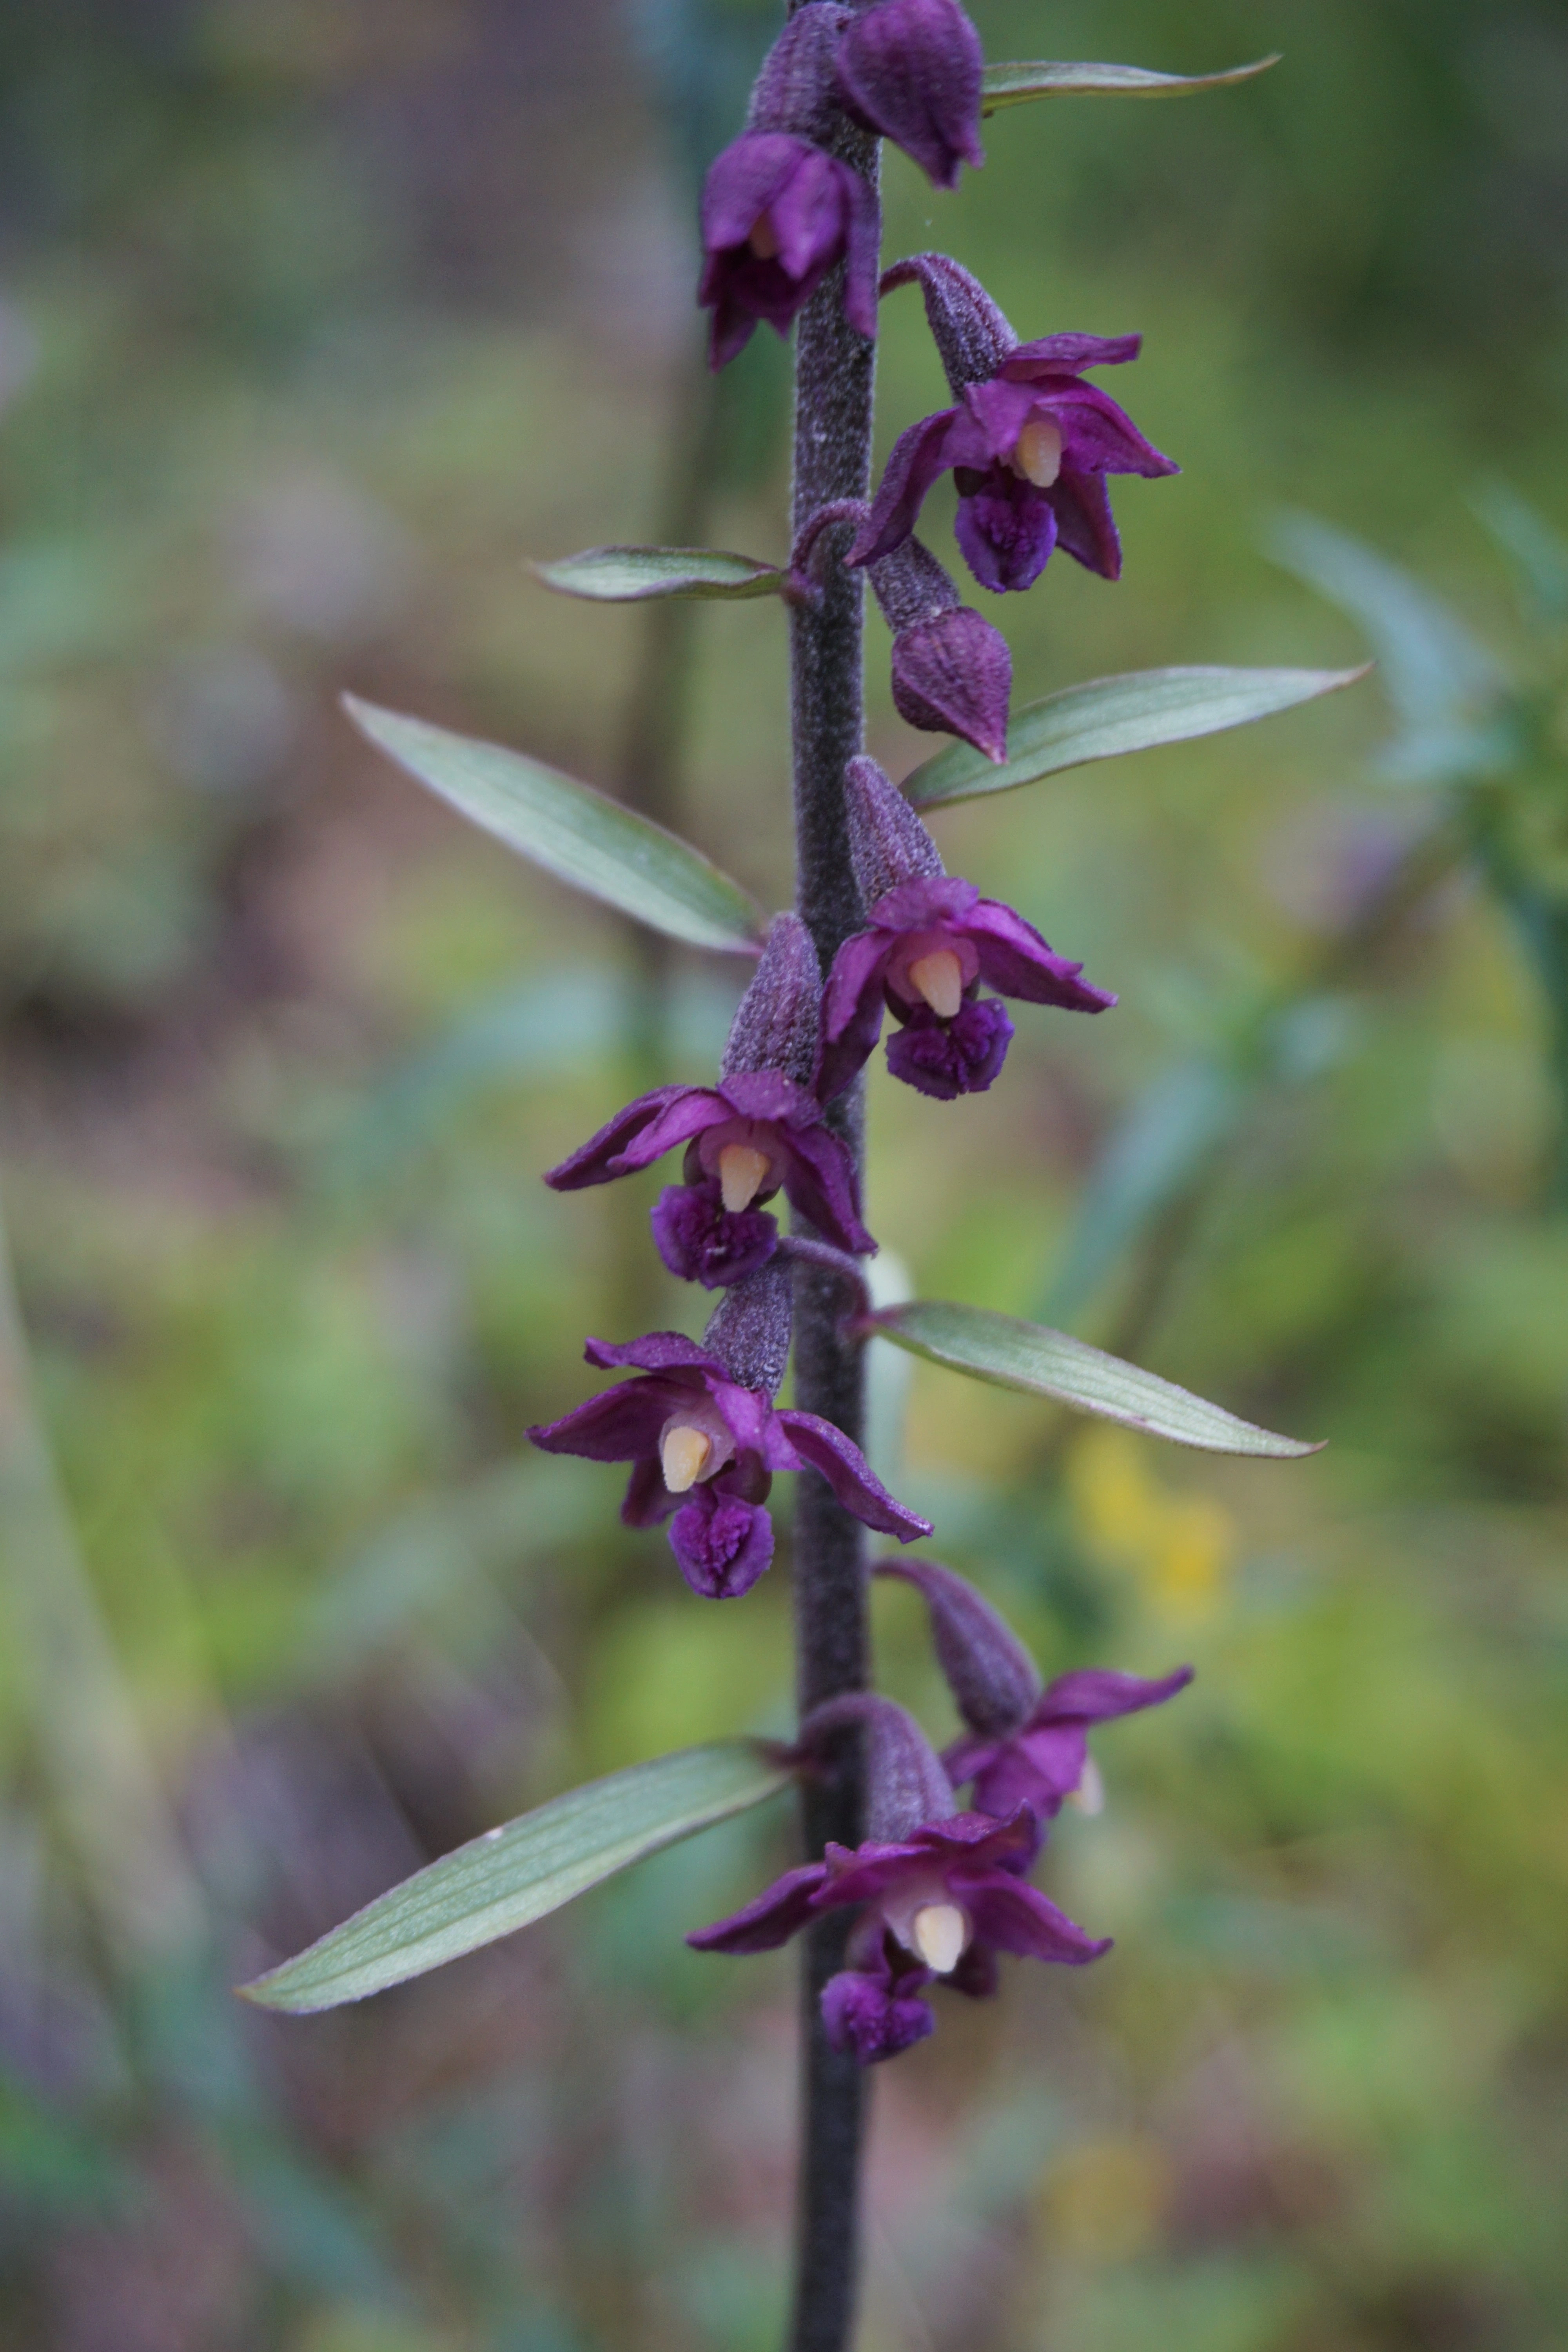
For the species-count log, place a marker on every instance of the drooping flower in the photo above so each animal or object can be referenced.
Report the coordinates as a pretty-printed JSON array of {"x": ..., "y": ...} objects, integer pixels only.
[
  {"x": 938, "y": 1892},
  {"x": 703, "y": 1436},
  {"x": 778, "y": 211},
  {"x": 1025, "y": 1746},
  {"x": 930, "y": 940},
  {"x": 911, "y": 69},
  {"x": 953, "y": 673},
  {"x": 760, "y": 1130},
  {"x": 1029, "y": 441}
]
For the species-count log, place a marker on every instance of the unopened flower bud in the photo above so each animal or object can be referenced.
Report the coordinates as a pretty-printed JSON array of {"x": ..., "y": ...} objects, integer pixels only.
[
  {"x": 953, "y": 673},
  {"x": 990, "y": 1674},
  {"x": 911, "y": 69}
]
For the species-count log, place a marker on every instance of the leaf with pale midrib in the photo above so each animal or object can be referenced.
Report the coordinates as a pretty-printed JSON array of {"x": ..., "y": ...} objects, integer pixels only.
[
  {"x": 1135, "y": 712},
  {"x": 581, "y": 835},
  {"x": 1016, "y": 85},
  {"x": 1011, "y": 1354},
  {"x": 519, "y": 1873},
  {"x": 630, "y": 575}
]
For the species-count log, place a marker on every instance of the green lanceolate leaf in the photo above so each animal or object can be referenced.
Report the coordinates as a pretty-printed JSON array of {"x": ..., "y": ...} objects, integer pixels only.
[
  {"x": 1011, "y": 85},
  {"x": 1111, "y": 715},
  {"x": 1015, "y": 1355},
  {"x": 515, "y": 1874},
  {"x": 628, "y": 575},
  {"x": 574, "y": 832}
]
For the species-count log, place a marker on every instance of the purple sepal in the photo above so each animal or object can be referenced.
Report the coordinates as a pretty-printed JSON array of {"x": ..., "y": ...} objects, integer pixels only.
[
  {"x": 770, "y": 1918},
  {"x": 945, "y": 1059},
  {"x": 911, "y": 69},
  {"x": 1041, "y": 1763},
  {"x": 876, "y": 2015},
  {"x": 777, "y": 214},
  {"x": 990, "y": 1674},
  {"x": 721, "y": 1544},
  {"x": 954, "y": 675},
  {"x": 703, "y": 1240},
  {"x": 820, "y": 1446}
]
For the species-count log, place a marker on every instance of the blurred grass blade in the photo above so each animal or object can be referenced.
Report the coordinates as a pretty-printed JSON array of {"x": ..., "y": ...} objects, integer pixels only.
[
  {"x": 1167, "y": 1136},
  {"x": 1111, "y": 715},
  {"x": 630, "y": 575},
  {"x": 1439, "y": 678},
  {"x": 1540, "y": 553},
  {"x": 1013, "y": 85},
  {"x": 574, "y": 832},
  {"x": 1015, "y": 1355},
  {"x": 518, "y": 1873}
]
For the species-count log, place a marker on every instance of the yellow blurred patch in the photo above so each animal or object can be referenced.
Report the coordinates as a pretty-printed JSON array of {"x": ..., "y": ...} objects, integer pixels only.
[
  {"x": 1105, "y": 2201},
  {"x": 1181, "y": 1548}
]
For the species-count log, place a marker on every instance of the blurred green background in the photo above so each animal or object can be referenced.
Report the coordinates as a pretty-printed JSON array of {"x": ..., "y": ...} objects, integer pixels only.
[{"x": 317, "y": 318}]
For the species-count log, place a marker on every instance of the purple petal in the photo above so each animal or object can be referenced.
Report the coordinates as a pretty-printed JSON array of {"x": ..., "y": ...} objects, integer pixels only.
[
  {"x": 743, "y": 182},
  {"x": 617, "y": 1425},
  {"x": 866, "y": 1872},
  {"x": 852, "y": 1009},
  {"x": 911, "y": 69},
  {"x": 1068, "y": 356},
  {"x": 1016, "y": 1918},
  {"x": 771, "y": 1095},
  {"x": 1085, "y": 524},
  {"x": 808, "y": 215},
  {"x": 1096, "y": 1694},
  {"x": 846, "y": 1471},
  {"x": 945, "y": 1059},
  {"x": 647, "y": 1501},
  {"x": 770, "y": 1919},
  {"x": 916, "y": 460},
  {"x": 976, "y": 1975},
  {"x": 722, "y": 1545},
  {"x": 954, "y": 675},
  {"x": 874, "y": 2019},
  {"x": 702, "y": 1241},
  {"x": 862, "y": 249},
  {"x": 591, "y": 1162},
  {"x": 1006, "y": 529},
  {"x": 693, "y": 1112},
  {"x": 821, "y": 1181},
  {"x": 1040, "y": 1771},
  {"x": 1016, "y": 962},
  {"x": 1099, "y": 438}
]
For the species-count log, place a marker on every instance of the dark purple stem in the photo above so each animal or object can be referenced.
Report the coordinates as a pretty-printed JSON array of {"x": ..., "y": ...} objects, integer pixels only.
[{"x": 834, "y": 370}]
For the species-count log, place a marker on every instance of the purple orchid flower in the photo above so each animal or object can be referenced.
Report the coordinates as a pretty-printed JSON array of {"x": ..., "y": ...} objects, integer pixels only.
[
  {"x": 1024, "y": 1747},
  {"x": 932, "y": 939},
  {"x": 1029, "y": 442},
  {"x": 911, "y": 69},
  {"x": 938, "y": 1894},
  {"x": 759, "y": 1130},
  {"x": 778, "y": 213},
  {"x": 704, "y": 1438}
]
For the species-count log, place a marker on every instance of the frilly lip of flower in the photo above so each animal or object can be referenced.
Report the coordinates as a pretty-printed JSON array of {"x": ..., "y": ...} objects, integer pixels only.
[
  {"x": 777, "y": 214},
  {"x": 1040, "y": 1762},
  {"x": 911, "y": 70},
  {"x": 702, "y": 1241},
  {"x": 947, "y": 1060},
  {"x": 766, "y": 1110},
  {"x": 992, "y": 943}
]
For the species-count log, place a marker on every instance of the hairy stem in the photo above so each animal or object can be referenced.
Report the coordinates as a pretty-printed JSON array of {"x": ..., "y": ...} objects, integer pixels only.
[{"x": 833, "y": 368}]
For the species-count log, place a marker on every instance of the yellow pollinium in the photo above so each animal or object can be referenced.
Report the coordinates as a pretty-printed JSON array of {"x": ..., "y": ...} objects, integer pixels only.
[
  {"x": 742, "y": 1174},
  {"x": 1037, "y": 453},
  {"x": 939, "y": 977},
  {"x": 940, "y": 1932},
  {"x": 684, "y": 1454}
]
